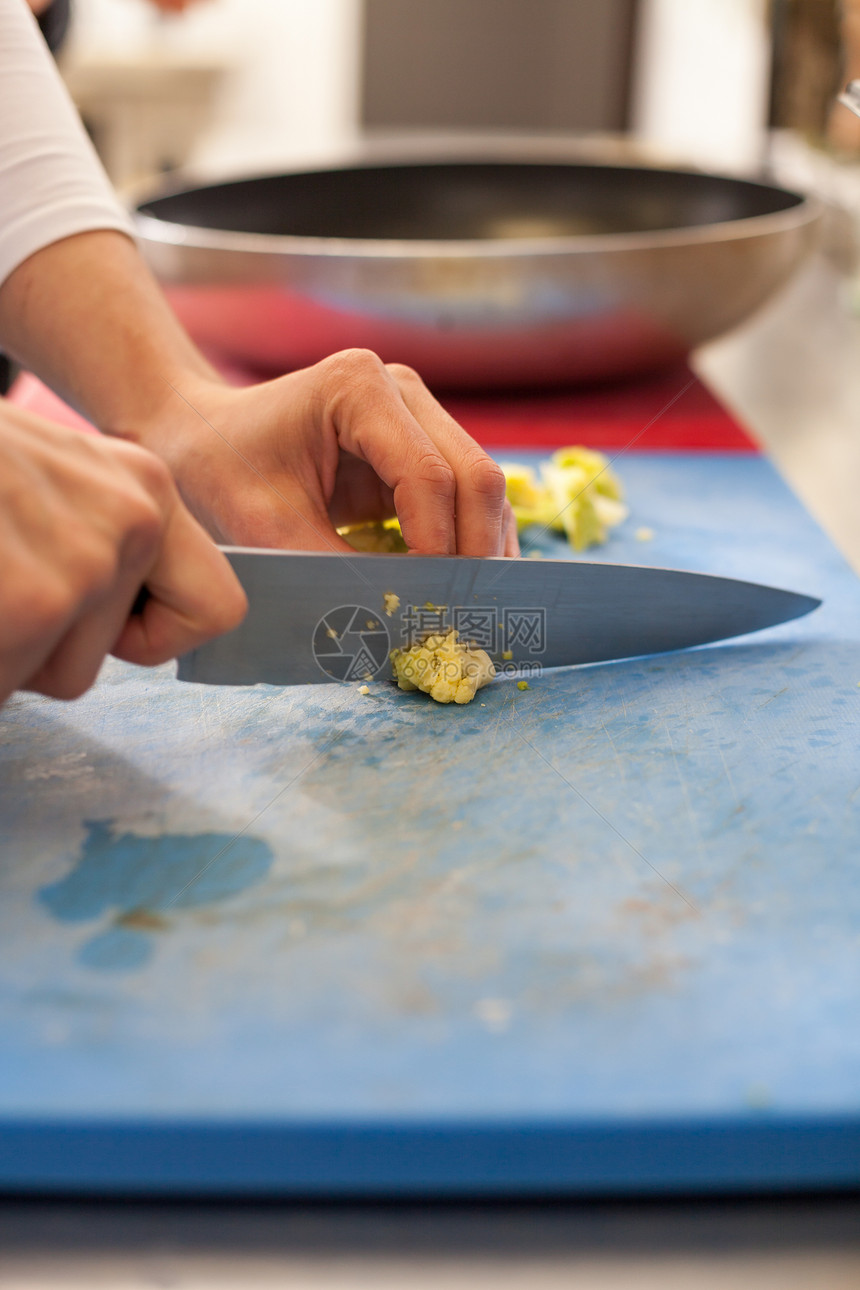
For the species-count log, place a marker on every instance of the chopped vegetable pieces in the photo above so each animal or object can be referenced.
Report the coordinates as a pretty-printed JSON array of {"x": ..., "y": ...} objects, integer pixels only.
[
  {"x": 576, "y": 492},
  {"x": 443, "y": 667},
  {"x": 383, "y": 538}
]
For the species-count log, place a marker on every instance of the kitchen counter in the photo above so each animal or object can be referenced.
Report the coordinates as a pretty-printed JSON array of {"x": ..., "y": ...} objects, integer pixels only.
[
  {"x": 794, "y": 375},
  {"x": 771, "y": 1245}
]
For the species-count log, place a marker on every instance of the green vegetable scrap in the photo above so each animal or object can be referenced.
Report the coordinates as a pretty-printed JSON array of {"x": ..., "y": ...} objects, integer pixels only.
[
  {"x": 383, "y": 538},
  {"x": 576, "y": 492}
]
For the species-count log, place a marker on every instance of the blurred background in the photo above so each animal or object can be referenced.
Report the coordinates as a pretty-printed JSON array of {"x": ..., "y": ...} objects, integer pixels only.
[
  {"x": 219, "y": 88},
  {"x": 225, "y": 86}
]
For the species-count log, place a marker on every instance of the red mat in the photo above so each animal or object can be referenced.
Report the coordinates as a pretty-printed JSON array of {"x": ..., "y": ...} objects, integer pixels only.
[{"x": 671, "y": 412}]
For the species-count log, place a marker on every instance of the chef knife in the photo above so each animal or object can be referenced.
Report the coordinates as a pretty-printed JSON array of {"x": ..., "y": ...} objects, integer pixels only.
[{"x": 314, "y": 617}]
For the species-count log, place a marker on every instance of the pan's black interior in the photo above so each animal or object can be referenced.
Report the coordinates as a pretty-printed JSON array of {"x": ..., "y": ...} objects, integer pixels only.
[{"x": 468, "y": 200}]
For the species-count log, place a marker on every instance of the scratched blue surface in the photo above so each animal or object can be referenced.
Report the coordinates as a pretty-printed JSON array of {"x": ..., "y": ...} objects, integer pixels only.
[{"x": 244, "y": 931}]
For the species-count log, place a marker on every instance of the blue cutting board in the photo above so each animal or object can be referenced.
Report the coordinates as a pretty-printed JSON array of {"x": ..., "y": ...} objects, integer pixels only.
[{"x": 601, "y": 935}]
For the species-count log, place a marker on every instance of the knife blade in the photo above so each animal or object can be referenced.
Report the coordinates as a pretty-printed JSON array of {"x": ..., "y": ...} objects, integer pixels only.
[{"x": 316, "y": 618}]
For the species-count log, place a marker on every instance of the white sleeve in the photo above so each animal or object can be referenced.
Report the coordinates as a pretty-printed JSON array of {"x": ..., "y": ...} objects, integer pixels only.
[{"x": 52, "y": 184}]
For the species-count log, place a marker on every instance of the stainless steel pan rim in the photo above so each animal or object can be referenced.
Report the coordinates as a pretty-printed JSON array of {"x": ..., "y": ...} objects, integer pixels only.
[{"x": 166, "y": 233}]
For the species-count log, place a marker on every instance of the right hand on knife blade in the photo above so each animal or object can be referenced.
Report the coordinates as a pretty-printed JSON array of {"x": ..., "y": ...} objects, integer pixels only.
[{"x": 84, "y": 523}]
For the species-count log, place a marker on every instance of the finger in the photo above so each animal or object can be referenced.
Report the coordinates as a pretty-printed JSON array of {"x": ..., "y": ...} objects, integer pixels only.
[
  {"x": 371, "y": 420},
  {"x": 106, "y": 562},
  {"x": 193, "y": 595},
  {"x": 47, "y": 608},
  {"x": 480, "y": 482},
  {"x": 75, "y": 661},
  {"x": 112, "y": 518},
  {"x": 512, "y": 537}
]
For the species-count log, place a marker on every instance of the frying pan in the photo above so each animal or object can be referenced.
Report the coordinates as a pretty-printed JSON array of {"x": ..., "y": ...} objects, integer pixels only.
[{"x": 478, "y": 271}]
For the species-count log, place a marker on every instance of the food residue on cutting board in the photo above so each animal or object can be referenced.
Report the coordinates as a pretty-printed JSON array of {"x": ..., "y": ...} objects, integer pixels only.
[{"x": 443, "y": 667}]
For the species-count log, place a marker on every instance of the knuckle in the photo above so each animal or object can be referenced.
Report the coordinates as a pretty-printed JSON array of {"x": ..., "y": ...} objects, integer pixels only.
[
  {"x": 487, "y": 478},
  {"x": 144, "y": 524},
  {"x": 151, "y": 471},
  {"x": 148, "y": 470},
  {"x": 355, "y": 365},
  {"x": 403, "y": 374},
  {"x": 43, "y": 604},
  {"x": 437, "y": 473}
]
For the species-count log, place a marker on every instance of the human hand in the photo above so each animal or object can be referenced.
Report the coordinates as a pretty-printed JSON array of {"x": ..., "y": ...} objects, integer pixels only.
[
  {"x": 346, "y": 441},
  {"x": 84, "y": 523}
]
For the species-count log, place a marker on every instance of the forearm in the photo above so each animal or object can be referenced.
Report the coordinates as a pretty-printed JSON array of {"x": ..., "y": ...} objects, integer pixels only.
[
  {"x": 77, "y": 304},
  {"x": 85, "y": 314}
]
